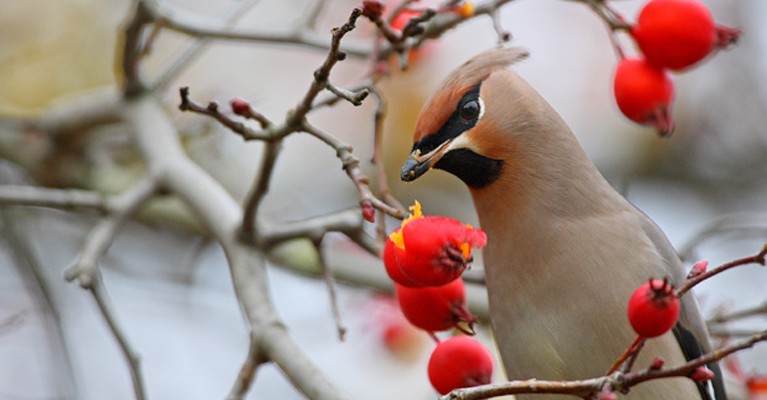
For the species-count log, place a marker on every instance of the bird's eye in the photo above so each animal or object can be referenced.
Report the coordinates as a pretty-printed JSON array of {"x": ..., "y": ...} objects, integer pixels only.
[{"x": 470, "y": 110}]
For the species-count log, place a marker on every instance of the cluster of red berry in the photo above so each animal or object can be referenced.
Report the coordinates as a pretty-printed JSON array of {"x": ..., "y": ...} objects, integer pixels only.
[
  {"x": 672, "y": 35},
  {"x": 425, "y": 258}
]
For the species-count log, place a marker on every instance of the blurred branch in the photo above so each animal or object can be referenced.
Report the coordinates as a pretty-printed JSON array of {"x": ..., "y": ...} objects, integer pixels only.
[
  {"x": 740, "y": 314},
  {"x": 85, "y": 269},
  {"x": 53, "y": 198},
  {"x": 738, "y": 224},
  {"x": 184, "y": 22},
  {"x": 200, "y": 43},
  {"x": 28, "y": 265},
  {"x": 328, "y": 275}
]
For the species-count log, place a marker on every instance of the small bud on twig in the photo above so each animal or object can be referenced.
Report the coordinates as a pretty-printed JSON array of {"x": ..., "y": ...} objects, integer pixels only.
[
  {"x": 657, "y": 363},
  {"x": 702, "y": 374},
  {"x": 372, "y": 9},
  {"x": 368, "y": 211},
  {"x": 239, "y": 106},
  {"x": 698, "y": 269}
]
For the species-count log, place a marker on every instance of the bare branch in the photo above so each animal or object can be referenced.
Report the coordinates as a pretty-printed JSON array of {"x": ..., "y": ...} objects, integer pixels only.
[
  {"x": 221, "y": 214},
  {"x": 691, "y": 282},
  {"x": 97, "y": 289},
  {"x": 85, "y": 268},
  {"x": 211, "y": 110},
  {"x": 133, "y": 49},
  {"x": 740, "y": 314},
  {"x": 192, "y": 25},
  {"x": 53, "y": 198},
  {"x": 352, "y": 168},
  {"x": 260, "y": 188},
  {"x": 247, "y": 371},
  {"x": 328, "y": 275},
  {"x": 740, "y": 224},
  {"x": 191, "y": 53}
]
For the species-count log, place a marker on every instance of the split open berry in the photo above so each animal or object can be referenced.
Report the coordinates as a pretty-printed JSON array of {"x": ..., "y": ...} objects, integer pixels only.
[
  {"x": 459, "y": 362},
  {"x": 392, "y": 266},
  {"x": 437, "y": 308},
  {"x": 432, "y": 250},
  {"x": 676, "y": 34},
  {"x": 644, "y": 94},
  {"x": 653, "y": 308}
]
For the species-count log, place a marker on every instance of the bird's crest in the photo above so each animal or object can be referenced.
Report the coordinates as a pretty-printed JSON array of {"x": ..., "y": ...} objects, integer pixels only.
[{"x": 442, "y": 104}]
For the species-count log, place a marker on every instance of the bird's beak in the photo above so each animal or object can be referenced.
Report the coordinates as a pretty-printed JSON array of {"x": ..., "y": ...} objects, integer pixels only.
[{"x": 417, "y": 164}]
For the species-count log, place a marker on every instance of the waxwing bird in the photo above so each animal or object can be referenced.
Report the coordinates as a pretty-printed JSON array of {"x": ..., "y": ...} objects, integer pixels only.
[{"x": 565, "y": 250}]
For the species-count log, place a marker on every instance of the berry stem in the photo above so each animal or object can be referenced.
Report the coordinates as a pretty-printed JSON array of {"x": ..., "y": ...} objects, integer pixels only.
[{"x": 631, "y": 352}]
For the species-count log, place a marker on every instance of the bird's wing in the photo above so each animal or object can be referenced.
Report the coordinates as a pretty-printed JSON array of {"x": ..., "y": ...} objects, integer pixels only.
[{"x": 690, "y": 331}]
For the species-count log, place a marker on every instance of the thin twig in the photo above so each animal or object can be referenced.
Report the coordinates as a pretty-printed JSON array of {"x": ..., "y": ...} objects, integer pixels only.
[
  {"x": 740, "y": 314},
  {"x": 212, "y": 110},
  {"x": 352, "y": 167},
  {"x": 741, "y": 224},
  {"x": 133, "y": 49},
  {"x": 260, "y": 188},
  {"x": 330, "y": 282},
  {"x": 53, "y": 198},
  {"x": 378, "y": 160},
  {"x": 200, "y": 43},
  {"x": 99, "y": 292},
  {"x": 28, "y": 264},
  {"x": 691, "y": 282},
  {"x": 85, "y": 268}
]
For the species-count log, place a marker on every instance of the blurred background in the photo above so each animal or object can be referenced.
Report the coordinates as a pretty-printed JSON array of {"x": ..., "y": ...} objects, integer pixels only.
[{"x": 170, "y": 285}]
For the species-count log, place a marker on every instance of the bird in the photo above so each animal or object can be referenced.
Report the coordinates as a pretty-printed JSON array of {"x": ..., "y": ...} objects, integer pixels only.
[{"x": 565, "y": 250}]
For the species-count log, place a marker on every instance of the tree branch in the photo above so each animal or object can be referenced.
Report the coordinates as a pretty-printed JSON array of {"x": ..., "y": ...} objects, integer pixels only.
[
  {"x": 220, "y": 213},
  {"x": 53, "y": 198}
]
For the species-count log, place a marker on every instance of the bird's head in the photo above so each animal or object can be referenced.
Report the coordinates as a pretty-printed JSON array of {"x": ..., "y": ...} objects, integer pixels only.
[{"x": 464, "y": 128}]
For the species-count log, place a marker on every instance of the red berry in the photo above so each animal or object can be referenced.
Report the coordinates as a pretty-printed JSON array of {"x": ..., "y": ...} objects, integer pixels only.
[
  {"x": 459, "y": 362},
  {"x": 676, "y": 34},
  {"x": 644, "y": 94},
  {"x": 239, "y": 106},
  {"x": 436, "y": 308},
  {"x": 653, "y": 308},
  {"x": 436, "y": 250},
  {"x": 392, "y": 266}
]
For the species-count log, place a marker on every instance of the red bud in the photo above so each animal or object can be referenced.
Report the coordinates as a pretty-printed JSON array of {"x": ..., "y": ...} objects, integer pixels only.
[
  {"x": 702, "y": 374},
  {"x": 368, "y": 211},
  {"x": 372, "y": 9},
  {"x": 698, "y": 269},
  {"x": 240, "y": 106}
]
